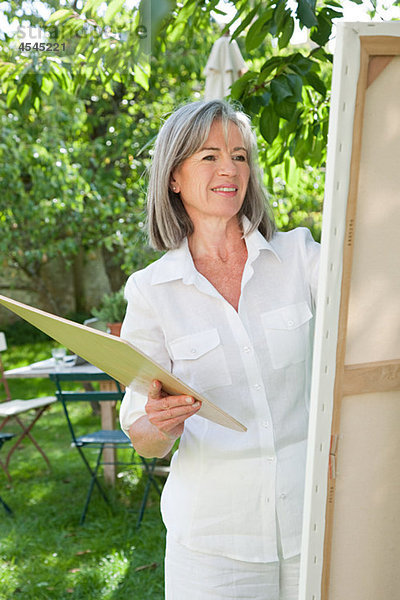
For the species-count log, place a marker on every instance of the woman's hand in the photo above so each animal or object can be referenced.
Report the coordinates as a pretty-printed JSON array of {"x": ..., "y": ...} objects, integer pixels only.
[{"x": 168, "y": 413}]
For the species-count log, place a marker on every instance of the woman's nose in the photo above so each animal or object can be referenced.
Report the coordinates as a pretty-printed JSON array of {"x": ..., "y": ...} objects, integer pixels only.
[{"x": 227, "y": 166}]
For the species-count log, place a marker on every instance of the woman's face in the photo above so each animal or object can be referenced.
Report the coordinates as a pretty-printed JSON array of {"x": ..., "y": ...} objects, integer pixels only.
[{"x": 213, "y": 181}]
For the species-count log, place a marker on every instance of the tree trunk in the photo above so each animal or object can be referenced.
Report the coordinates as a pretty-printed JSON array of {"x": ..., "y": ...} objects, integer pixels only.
[{"x": 79, "y": 288}]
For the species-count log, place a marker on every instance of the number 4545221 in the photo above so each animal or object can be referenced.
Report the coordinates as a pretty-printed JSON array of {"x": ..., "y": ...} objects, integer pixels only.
[{"x": 41, "y": 47}]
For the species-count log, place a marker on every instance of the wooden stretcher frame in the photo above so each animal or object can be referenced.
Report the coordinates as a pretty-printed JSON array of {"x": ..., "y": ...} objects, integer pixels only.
[{"x": 363, "y": 51}]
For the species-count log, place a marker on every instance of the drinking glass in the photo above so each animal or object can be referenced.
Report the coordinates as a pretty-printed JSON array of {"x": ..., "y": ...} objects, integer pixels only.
[{"x": 58, "y": 354}]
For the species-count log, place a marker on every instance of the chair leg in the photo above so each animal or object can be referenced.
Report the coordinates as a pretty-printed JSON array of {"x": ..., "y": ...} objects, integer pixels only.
[
  {"x": 93, "y": 481},
  {"x": 7, "y": 508},
  {"x": 93, "y": 472},
  {"x": 2, "y": 464},
  {"x": 150, "y": 471},
  {"x": 26, "y": 433},
  {"x": 6, "y": 471}
]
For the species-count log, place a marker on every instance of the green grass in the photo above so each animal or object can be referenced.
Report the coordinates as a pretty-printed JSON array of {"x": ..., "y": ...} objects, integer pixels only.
[{"x": 44, "y": 552}]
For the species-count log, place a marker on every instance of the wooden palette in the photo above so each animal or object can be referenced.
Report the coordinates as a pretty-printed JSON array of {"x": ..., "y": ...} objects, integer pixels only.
[{"x": 116, "y": 357}]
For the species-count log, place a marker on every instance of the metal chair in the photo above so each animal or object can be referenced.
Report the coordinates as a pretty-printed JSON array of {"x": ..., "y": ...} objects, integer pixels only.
[
  {"x": 11, "y": 410},
  {"x": 3, "y": 438},
  {"x": 102, "y": 439}
]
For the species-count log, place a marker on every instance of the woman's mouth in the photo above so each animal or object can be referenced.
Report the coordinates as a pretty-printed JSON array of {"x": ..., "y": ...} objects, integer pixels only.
[{"x": 225, "y": 189}]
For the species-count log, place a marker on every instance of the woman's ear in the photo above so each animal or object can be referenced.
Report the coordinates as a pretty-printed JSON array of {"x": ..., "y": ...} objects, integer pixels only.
[{"x": 173, "y": 185}]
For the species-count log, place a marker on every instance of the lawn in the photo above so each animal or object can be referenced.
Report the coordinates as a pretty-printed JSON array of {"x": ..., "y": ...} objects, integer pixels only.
[{"x": 44, "y": 552}]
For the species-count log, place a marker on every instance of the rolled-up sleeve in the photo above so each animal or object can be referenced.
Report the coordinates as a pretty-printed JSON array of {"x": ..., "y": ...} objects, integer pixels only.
[{"x": 142, "y": 328}]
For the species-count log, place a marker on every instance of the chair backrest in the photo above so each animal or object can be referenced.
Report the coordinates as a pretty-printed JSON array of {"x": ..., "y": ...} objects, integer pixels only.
[
  {"x": 67, "y": 396},
  {"x": 3, "y": 380},
  {"x": 3, "y": 343}
]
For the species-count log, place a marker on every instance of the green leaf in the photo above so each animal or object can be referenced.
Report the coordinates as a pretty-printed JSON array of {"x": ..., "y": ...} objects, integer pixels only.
[
  {"x": 270, "y": 65},
  {"x": 91, "y": 6},
  {"x": 317, "y": 83},
  {"x": 266, "y": 97},
  {"x": 321, "y": 54},
  {"x": 5, "y": 67},
  {"x": 11, "y": 95},
  {"x": 321, "y": 34},
  {"x": 280, "y": 13},
  {"x": 287, "y": 32},
  {"x": 246, "y": 21},
  {"x": 239, "y": 86},
  {"x": 253, "y": 104},
  {"x": 141, "y": 74},
  {"x": 177, "y": 32},
  {"x": 60, "y": 15},
  {"x": 259, "y": 30},
  {"x": 302, "y": 149},
  {"x": 269, "y": 124},
  {"x": 287, "y": 168},
  {"x": 300, "y": 64},
  {"x": 306, "y": 14},
  {"x": 280, "y": 88},
  {"x": 317, "y": 150},
  {"x": 112, "y": 9},
  {"x": 296, "y": 85},
  {"x": 286, "y": 109},
  {"x": 72, "y": 27}
]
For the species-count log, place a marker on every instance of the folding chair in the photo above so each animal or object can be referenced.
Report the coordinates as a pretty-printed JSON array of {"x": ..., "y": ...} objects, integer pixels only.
[
  {"x": 3, "y": 438},
  {"x": 102, "y": 439},
  {"x": 11, "y": 410}
]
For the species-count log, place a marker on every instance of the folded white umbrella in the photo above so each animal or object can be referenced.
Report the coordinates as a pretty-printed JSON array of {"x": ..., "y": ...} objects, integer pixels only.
[{"x": 224, "y": 66}]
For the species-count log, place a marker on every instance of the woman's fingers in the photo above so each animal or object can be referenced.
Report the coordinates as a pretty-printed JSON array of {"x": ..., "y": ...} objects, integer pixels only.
[
  {"x": 168, "y": 412},
  {"x": 155, "y": 390},
  {"x": 173, "y": 407}
]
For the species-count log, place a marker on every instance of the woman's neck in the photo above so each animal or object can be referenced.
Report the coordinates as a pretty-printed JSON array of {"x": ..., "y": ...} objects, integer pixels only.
[{"x": 216, "y": 240}]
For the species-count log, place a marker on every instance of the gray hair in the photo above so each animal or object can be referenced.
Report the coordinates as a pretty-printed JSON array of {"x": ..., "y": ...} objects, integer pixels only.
[{"x": 183, "y": 134}]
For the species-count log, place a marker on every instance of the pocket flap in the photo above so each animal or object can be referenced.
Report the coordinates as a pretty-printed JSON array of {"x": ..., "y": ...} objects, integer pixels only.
[
  {"x": 192, "y": 346},
  {"x": 287, "y": 317}
]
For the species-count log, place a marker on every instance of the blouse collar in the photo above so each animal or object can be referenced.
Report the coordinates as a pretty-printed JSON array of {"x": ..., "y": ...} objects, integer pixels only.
[{"x": 178, "y": 263}]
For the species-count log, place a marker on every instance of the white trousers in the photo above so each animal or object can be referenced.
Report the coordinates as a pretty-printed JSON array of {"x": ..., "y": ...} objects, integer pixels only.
[{"x": 193, "y": 575}]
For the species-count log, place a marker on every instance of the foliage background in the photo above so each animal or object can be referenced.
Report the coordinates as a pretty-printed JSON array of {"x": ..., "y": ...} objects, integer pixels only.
[{"x": 77, "y": 126}]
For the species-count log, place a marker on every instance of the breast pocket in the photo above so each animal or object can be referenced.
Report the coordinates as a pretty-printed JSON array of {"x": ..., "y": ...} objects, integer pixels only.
[
  {"x": 199, "y": 360},
  {"x": 287, "y": 330}
]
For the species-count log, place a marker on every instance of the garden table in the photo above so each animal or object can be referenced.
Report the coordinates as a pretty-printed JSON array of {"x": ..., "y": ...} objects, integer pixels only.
[{"x": 108, "y": 418}]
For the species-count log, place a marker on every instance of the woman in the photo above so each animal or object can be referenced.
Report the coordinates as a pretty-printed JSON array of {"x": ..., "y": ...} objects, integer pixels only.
[{"x": 229, "y": 310}]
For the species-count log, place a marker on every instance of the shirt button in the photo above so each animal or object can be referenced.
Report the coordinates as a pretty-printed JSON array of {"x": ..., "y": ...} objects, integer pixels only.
[
  {"x": 282, "y": 496},
  {"x": 193, "y": 351},
  {"x": 246, "y": 349},
  {"x": 257, "y": 387},
  {"x": 265, "y": 424},
  {"x": 290, "y": 323},
  {"x": 270, "y": 458}
]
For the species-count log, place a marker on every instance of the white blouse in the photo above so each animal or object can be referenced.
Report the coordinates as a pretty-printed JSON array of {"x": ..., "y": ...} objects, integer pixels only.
[{"x": 227, "y": 490}]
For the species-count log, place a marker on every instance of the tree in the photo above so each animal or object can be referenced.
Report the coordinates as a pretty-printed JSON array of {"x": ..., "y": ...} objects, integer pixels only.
[
  {"x": 79, "y": 123},
  {"x": 75, "y": 182}
]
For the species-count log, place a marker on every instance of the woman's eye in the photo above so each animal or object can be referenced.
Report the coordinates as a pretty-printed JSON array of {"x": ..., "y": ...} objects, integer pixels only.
[
  {"x": 239, "y": 157},
  {"x": 209, "y": 157}
]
